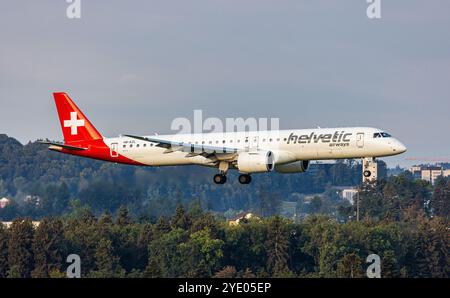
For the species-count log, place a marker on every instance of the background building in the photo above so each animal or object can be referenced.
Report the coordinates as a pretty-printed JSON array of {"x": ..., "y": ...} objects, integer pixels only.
[
  {"x": 429, "y": 173},
  {"x": 4, "y": 202}
]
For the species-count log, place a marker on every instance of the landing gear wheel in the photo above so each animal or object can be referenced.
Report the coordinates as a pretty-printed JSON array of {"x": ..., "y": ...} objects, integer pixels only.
[
  {"x": 220, "y": 179},
  {"x": 245, "y": 179},
  {"x": 367, "y": 174}
]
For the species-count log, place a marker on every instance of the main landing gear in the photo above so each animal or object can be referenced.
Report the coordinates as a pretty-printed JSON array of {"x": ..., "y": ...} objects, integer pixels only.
[
  {"x": 222, "y": 178},
  {"x": 245, "y": 179}
]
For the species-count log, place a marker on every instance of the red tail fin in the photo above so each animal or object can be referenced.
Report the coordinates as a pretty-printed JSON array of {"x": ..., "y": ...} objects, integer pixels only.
[{"x": 75, "y": 126}]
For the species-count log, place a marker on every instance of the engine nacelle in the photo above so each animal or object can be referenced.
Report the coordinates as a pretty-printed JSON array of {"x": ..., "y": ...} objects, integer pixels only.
[
  {"x": 293, "y": 167},
  {"x": 255, "y": 162}
]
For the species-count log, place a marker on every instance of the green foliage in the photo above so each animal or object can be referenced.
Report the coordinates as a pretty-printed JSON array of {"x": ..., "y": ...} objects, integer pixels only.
[
  {"x": 20, "y": 252},
  {"x": 202, "y": 253},
  {"x": 398, "y": 198},
  {"x": 180, "y": 219},
  {"x": 4, "y": 238},
  {"x": 350, "y": 266},
  {"x": 49, "y": 247},
  {"x": 273, "y": 247},
  {"x": 440, "y": 201},
  {"x": 164, "y": 256},
  {"x": 106, "y": 263},
  {"x": 277, "y": 245}
]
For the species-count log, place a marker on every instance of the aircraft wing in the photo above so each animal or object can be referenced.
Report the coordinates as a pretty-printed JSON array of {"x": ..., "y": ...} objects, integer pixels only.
[{"x": 191, "y": 149}]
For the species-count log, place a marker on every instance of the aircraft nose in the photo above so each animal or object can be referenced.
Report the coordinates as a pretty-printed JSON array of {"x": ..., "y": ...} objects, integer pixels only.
[{"x": 398, "y": 147}]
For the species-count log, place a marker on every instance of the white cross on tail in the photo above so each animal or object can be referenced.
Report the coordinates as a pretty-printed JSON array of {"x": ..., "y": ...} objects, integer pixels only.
[{"x": 73, "y": 123}]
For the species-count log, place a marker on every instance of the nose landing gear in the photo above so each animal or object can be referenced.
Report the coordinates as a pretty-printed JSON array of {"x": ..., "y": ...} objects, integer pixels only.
[{"x": 369, "y": 167}]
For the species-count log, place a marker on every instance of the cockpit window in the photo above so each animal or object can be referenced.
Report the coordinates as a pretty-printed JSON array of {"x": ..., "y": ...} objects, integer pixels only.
[{"x": 381, "y": 135}]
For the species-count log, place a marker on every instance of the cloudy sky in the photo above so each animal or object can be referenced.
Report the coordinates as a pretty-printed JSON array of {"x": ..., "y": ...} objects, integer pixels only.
[{"x": 133, "y": 66}]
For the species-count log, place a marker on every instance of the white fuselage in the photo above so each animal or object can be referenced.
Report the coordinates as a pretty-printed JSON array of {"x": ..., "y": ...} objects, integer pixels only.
[{"x": 288, "y": 145}]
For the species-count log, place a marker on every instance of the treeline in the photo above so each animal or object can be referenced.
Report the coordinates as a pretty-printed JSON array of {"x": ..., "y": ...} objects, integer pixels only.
[
  {"x": 194, "y": 243},
  {"x": 401, "y": 198},
  {"x": 42, "y": 183}
]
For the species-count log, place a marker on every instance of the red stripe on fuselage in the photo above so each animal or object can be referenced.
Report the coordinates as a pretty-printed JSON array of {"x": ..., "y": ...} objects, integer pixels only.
[{"x": 97, "y": 149}]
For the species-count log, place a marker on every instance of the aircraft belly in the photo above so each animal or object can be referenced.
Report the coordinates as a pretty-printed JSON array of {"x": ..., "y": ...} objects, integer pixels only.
[{"x": 167, "y": 159}]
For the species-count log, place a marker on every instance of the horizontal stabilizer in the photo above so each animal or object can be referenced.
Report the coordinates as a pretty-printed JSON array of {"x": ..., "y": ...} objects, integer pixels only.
[{"x": 59, "y": 146}]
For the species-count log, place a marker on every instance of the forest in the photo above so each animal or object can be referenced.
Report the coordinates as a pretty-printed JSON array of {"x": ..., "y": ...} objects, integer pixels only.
[{"x": 194, "y": 243}]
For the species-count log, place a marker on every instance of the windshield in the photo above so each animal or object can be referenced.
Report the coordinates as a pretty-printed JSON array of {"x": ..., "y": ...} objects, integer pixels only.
[{"x": 381, "y": 135}]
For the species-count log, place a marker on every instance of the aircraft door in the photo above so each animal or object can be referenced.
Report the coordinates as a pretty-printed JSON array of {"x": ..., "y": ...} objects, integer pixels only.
[
  {"x": 254, "y": 142},
  {"x": 360, "y": 140},
  {"x": 114, "y": 150}
]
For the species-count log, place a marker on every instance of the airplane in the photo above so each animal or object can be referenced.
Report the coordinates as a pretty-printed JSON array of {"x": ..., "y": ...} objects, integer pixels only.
[{"x": 250, "y": 152}]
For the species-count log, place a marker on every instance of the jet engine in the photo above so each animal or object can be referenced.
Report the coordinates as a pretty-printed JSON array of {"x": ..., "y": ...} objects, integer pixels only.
[
  {"x": 255, "y": 162},
  {"x": 293, "y": 167}
]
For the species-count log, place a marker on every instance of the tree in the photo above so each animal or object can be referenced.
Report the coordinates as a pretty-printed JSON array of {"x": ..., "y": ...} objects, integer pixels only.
[
  {"x": 20, "y": 250},
  {"x": 107, "y": 264},
  {"x": 389, "y": 265},
  {"x": 164, "y": 258},
  {"x": 144, "y": 239},
  {"x": 248, "y": 273},
  {"x": 180, "y": 219},
  {"x": 162, "y": 226},
  {"x": 62, "y": 198},
  {"x": 371, "y": 201},
  {"x": 315, "y": 204},
  {"x": 4, "y": 235},
  {"x": 226, "y": 272},
  {"x": 205, "y": 220},
  {"x": 123, "y": 218},
  {"x": 440, "y": 201},
  {"x": 202, "y": 254},
  {"x": 350, "y": 266},
  {"x": 105, "y": 219},
  {"x": 270, "y": 203},
  {"x": 277, "y": 245},
  {"x": 49, "y": 247}
]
